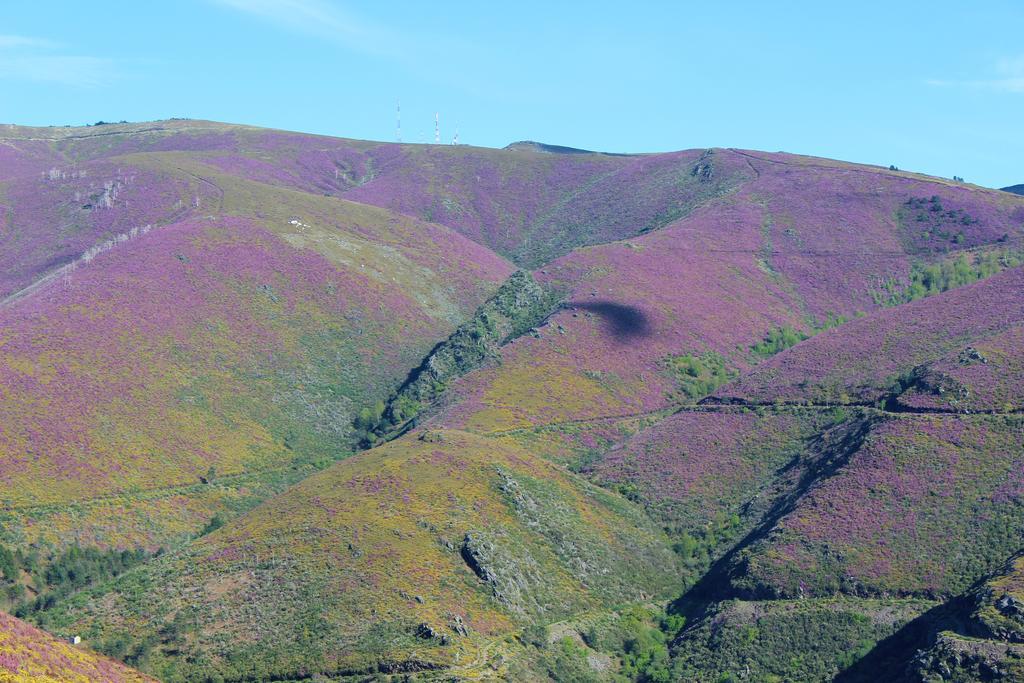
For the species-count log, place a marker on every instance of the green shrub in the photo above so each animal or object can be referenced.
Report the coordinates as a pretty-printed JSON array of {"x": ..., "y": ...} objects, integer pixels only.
[
  {"x": 776, "y": 340},
  {"x": 698, "y": 376},
  {"x": 927, "y": 279},
  {"x": 60, "y": 575}
]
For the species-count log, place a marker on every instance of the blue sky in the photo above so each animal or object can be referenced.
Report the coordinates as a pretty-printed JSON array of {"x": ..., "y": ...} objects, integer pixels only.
[{"x": 936, "y": 87}]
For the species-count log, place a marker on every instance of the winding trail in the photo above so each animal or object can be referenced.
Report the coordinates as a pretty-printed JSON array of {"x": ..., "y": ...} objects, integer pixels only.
[{"x": 736, "y": 407}]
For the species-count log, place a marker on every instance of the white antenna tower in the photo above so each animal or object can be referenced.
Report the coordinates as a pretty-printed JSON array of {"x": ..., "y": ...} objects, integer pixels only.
[
  {"x": 437, "y": 128},
  {"x": 398, "y": 131}
]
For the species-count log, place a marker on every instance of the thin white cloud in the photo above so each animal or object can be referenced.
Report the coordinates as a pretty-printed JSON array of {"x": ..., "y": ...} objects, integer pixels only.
[
  {"x": 82, "y": 72},
  {"x": 24, "y": 58},
  {"x": 1011, "y": 65},
  {"x": 1008, "y": 77},
  {"x": 321, "y": 19},
  {"x": 329, "y": 20},
  {"x": 9, "y": 41}
]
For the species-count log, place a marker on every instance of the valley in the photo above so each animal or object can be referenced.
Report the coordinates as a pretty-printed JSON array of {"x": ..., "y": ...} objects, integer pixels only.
[{"x": 377, "y": 411}]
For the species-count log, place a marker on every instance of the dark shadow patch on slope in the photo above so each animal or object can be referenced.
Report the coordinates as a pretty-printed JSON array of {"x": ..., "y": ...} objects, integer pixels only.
[
  {"x": 624, "y": 322},
  {"x": 835, "y": 447},
  {"x": 896, "y": 653},
  {"x": 472, "y": 558}
]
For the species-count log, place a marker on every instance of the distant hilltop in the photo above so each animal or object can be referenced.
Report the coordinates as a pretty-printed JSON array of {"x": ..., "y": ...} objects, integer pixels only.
[{"x": 532, "y": 146}]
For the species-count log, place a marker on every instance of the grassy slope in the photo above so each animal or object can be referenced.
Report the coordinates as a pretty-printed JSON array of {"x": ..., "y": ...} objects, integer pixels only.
[
  {"x": 860, "y": 362},
  {"x": 796, "y": 244},
  {"x": 788, "y": 640},
  {"x": 915, "y": 507},
  {"x": 975, "y": 637},
  {"x": 298, "y": 309},
  {"x": 764, "y": 241},
  {"x": 435, "y": 529},
  {"x": 925, "y": 506},
  {"x": 27, "y": 655}
]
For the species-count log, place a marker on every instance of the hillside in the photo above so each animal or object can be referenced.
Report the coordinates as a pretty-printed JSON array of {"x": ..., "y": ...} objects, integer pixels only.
[
  {"x": 29, "y": 655},
  {"x": 802, "y": 245},
  {"x": 407, "y": 557},
  {"x": 299, "y": 310},
  {"x": 894, "y": 510},
  {"x": 868, "y": 359},
  {"x": 529, "y": 413},
  {"x": 992, "y": 644}
]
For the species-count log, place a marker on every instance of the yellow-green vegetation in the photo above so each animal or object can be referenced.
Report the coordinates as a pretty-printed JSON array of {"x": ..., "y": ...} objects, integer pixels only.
[
  {"x": 162, "y": 517},
  {"x": 27, "y": 655},
  {"x": 617, "y": 646},
  {"x": 927, "y": 279},
  {"x": 988, "y": 643},
  {"x": 698, "y": 376},
  {"x": 518, "y": 305},
  {"x": 578, "y": 444},
  {"x": 787, "y": 640},
  {"x": 409, "y": 556},
  {"x": 776, "y": 340},
  {"x": 955, "y": 658},
  {"x": 1001, "y": 603},
  {"x": 225, "y": 358},
  {"x": 525, "y": 394},
  {"x": 49, "y": 579},
  {"x": 781, "y": 338}
]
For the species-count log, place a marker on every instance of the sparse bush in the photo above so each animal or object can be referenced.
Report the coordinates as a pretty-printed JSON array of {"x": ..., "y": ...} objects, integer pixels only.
[
  {"x": 927, "y": 279},
  {"x": 60, "y": 575},
  {"x": 776, "y": 340},
  {"x": 698, "y": 376}
]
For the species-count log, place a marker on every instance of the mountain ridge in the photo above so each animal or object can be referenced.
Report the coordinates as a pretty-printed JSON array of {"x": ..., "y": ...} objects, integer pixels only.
[{"x": 644, "y": 403}]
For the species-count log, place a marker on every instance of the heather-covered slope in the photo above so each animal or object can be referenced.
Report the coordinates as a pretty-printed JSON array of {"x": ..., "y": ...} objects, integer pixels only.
[
  {"x": 534, "y": 207},
  {"x": 27, "y": 655},
  {"x": 861, "y": 362},
  {"x": 924, "y": 506},
  {"x": 527, "y": 205},
  {"x": 290, "y": 284},
  {"x": 986, "y": 376},
  {"x": 198, "y": 353},
  {"x": 409, "y": 556},
  {"x": 869, "y": 520},
  {"x": 53, "y": 218},
  {"x": 841, "y": 522},
  {"x": 23, "y": 157},
  {"x": 802, "y": 243},
  {"x": 698, "y": 468}
]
